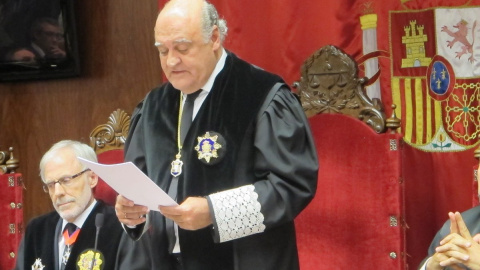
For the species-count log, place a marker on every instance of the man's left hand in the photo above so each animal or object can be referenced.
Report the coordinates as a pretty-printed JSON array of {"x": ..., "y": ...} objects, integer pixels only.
[
  {"x": 460, "y": 246},
  {"x": 192, "y": 214}
]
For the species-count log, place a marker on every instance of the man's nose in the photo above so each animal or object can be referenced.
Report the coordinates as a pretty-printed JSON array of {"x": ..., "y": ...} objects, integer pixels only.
[
  {"x": 58, "y": 189},
  {"x": 172, "y": 60}
]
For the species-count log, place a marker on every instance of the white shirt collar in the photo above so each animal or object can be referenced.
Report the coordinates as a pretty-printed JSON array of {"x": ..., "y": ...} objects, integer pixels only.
[
  {"x": 38, "y": 49},
  {"x": 218, "y": 67},
  {"x": 209, "y": 84}
]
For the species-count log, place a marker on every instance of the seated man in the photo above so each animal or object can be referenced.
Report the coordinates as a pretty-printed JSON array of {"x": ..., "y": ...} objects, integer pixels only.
[
  {"x": 65, "y": 238},
  {"x": 47, "y": 41},
  {"x": 453, "y": 246}
]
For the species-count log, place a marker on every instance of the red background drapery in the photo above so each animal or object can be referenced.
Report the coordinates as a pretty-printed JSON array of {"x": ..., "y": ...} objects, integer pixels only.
[{"x": 279, "y": 35}]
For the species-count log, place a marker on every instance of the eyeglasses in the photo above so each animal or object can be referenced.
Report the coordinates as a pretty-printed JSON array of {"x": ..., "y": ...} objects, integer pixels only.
[
  {"x": 51, "y": 34},
  {"x": 64, "y": 182}
]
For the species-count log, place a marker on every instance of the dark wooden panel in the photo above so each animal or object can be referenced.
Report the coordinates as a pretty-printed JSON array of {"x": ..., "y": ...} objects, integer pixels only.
[{"x": 119, "y": 66}]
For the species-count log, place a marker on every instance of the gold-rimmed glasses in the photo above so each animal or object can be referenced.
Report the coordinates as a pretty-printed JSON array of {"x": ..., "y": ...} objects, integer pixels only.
[{"x": 64, "y": 182}]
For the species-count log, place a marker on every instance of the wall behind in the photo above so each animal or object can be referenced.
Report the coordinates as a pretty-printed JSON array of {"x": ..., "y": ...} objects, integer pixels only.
[{"x": 119, "y": 66}]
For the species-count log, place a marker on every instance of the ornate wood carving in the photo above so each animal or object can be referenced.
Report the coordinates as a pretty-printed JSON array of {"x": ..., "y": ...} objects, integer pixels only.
[
  {"x": 476, "y": 153},
  {"x": 329, "y": 84},
  {"x": 8, "y": 163},
  {"x": 393, "y": 123},
  {"x": 111, "y": 135}
]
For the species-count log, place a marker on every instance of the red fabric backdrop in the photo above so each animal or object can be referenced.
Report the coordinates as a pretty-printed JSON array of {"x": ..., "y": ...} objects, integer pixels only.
[
  {"x": 279, "y": 35},
  {"x": 354, "y": 221},
  {"x": 11, "y": 218},
  {"x": 103, "y": 191}
]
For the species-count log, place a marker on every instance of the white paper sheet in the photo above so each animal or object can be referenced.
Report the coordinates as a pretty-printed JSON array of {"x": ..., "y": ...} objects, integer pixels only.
[{"x": 132, "y": 183}]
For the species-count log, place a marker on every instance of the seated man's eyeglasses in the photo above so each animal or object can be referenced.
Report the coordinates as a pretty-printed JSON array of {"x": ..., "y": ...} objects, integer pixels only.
[
  {"x": 64, "y": 182},
  {"x": 51, "y": 34}
]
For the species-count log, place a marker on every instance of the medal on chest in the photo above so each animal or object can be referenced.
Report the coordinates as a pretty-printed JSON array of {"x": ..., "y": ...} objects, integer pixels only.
[
  {"x": 210, "y": 147},
  {"x": 177, "y": 163},
  {"x": 66, "y": 255},
  {"x": 38, "y": 265}
]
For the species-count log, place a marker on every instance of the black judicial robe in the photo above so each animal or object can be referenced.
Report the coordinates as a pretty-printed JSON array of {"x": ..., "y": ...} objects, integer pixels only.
[
  {"x": 280, "y": 163},
  {"x": 41, "y": 240},
  {"x": 471, "y": 218}
]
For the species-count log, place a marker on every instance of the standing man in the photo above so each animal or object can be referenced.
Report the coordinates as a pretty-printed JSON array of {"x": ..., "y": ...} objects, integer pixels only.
[
  {"x": 66, "y": 237},
  {"x": 243, "y": 170}
]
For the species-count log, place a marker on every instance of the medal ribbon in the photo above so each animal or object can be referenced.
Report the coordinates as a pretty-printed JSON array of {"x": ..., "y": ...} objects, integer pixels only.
[
  {"x": 70, "y": 239},
  {"x": 185, "y": 110},
  {"x": 180, "y": 113}
]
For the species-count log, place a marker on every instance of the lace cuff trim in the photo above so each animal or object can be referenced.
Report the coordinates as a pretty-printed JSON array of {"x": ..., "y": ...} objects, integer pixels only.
[{"x": 237, "y": 213}]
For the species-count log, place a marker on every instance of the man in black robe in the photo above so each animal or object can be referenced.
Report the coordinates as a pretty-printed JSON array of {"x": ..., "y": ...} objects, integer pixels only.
[
  {"x": 241, "y": 173},
  {"x": 46, "y": 243}
]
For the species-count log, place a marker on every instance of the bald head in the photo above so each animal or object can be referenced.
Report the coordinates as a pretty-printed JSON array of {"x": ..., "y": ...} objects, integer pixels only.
[
  {"x": 197, "y": 12},
  {"x": 183, "y": 7},
  {"x": 188, "y": 37}
]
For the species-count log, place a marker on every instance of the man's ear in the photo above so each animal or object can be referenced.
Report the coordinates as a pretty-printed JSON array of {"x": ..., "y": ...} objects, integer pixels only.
[
  {"x": 215, "y": 39},
  {"x": 93, "y": 179}
]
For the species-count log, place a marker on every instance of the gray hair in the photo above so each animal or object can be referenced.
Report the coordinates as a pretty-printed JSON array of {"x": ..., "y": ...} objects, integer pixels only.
[
  {"x": 209, "y": 20},
  {"x": 39, "y": 24},
  {"x": 79, "y": 149}
]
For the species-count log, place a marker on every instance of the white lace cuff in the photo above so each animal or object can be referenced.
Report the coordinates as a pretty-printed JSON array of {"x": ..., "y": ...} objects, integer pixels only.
[{"x": 237, "y": 213}]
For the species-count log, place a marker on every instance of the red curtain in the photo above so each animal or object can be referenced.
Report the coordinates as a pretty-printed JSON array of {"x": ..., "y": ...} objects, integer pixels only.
[
  {"x": 359, "y": 200},
  {"x": 11, "y": 218},
  {"x": 279, "y": 35}
]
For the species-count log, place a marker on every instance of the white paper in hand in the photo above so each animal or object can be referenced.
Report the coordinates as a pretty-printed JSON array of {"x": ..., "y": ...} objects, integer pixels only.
[{"x": 132, "y": 183}]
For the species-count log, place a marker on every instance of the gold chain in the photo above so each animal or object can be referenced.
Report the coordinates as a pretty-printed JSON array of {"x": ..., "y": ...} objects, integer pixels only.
[{"x": 180, "y": 112}]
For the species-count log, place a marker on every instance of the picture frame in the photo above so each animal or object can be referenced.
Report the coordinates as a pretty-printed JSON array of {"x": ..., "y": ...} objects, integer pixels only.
[{"x": 38, "y": 40}]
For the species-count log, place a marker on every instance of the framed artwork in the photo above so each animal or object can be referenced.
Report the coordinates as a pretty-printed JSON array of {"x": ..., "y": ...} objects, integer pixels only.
[{"x": 38, "y": 40}]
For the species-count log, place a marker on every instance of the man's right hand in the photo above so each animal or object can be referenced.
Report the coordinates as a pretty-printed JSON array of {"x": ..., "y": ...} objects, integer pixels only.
[
  {"x": 129, "y": 213},
  {"x": 434, "y": 262},
  {"x": 456, "y": 248}
]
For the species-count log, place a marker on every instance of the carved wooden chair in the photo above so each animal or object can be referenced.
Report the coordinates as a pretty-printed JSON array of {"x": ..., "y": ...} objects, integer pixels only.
[
  {"x": 356, "y": 215},
  {"x": 11, "y": 199},
  {"x": 108, "y": 140}
]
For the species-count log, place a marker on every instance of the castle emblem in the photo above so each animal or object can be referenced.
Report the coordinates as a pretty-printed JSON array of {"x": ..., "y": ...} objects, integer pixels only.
[{"x": 414, "y": 40}]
